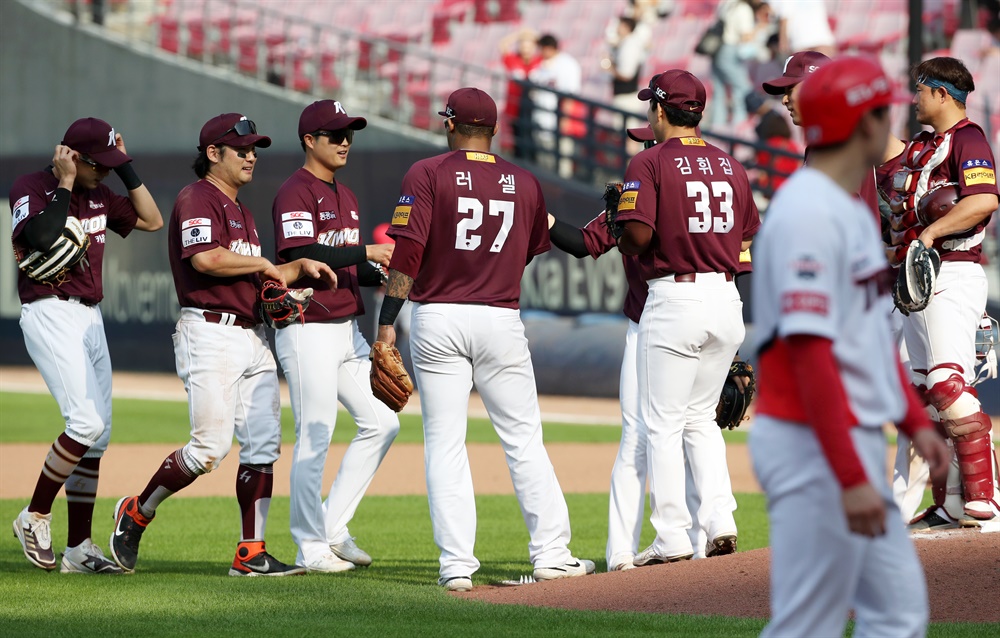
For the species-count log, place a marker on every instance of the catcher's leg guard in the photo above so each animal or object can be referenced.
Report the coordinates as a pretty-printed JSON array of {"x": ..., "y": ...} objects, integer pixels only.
[{"x": 969, "y": 429}]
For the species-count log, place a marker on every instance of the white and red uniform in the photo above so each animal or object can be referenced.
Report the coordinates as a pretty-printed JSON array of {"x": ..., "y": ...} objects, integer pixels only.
[
  {"x": 62, "y": 324},
  {"x": 834, "y": 288},
  {"x": 697, "y": 200},
  {"x": 941, "y": 339},
  {"x": 221, "y": 349},
  {"x": 325, "y": 359},
  {"x": 465, "y": 226}
]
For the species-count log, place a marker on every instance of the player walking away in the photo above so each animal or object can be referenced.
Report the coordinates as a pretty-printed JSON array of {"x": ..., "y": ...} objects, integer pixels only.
[
  {"x": 466, "y": 225},
  {"x": 697, "y": 199},
  {"x": 325, "y": 359},
  {"x": 61, "y": 218},
  {"x": 941, "y": 339},
  {"x": 221, "y": 350},
  {"x": 830, "y": 377}
]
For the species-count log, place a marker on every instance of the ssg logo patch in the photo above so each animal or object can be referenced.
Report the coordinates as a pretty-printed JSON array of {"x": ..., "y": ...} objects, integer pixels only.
[{"x": 401, "y": 215}]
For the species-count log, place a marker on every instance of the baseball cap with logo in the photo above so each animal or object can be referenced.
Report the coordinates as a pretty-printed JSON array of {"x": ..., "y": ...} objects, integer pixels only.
[
  {"x": 834, "y": 98},
  {"x": 471, "y": 106},
  {"x": 328, "y": 115},
  {"x": 676, "y": 88},
  {"x": 797, "y": 67},
  {"x": 231, "y": 129},
  {"x": 96, "y": 139}
]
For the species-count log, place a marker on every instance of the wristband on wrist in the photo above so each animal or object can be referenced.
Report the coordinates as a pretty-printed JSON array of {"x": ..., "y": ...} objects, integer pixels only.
[
  {"x": 390, "y": 310},
  {"x": 128, "y": 176}
]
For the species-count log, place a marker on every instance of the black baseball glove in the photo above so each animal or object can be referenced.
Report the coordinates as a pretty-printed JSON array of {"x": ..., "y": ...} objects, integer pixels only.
[
  {"x": 917, "y": 277},
  {"x": 733, "y": 404},
  {"x": 612, "y": 194}
]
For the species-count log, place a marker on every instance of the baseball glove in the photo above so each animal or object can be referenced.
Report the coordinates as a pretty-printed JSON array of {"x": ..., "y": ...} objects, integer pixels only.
[
  {"x": 281, "y": 306},
  {"x": 51, "y": 266},
  {"x": 391, "y": 383},
  {"x": 917, "y": 277},
  {"x": 733, "y": 404},
  {"x": 612, "y": 194}
]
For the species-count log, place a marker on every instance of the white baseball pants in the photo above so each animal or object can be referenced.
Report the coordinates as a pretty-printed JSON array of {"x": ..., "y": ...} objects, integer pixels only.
[
  {"x": 66, "y": 341},
  {"x": 454, "y": 346},
  {"x": 232, "y": 386},
  {"x": 324, "y": 363},
  {"x": 819, "y": 569}
]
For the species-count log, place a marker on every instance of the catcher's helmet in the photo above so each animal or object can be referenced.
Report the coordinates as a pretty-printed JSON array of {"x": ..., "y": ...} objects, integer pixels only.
[
  {"x": 937, "y": 202},
  {"x": 835, "y": 96}
]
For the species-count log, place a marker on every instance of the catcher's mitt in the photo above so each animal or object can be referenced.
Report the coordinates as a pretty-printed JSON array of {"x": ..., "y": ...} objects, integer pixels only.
[
  {"x": 917, "y": 277},
  {"x": 612, "y": 195},
  {"x": 51, "y": 266},
  {"x": 391, "y": 383},
  {"x": 733, "y": 404},
  {"x": 281, "y": 306}
]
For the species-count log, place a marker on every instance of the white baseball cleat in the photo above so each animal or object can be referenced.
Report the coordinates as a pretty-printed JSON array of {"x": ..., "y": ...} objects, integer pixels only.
[
  {"x": 621, "y": 562},
  {"x": 573, "y": 567},
  {"x": 87, "y": 558},
  {"x": 456, "y": 583},
  {"x": 33, "y": 531},
  {"x": 349, "y": 551},
  {"x": 328, "y": 564},
  {"x": 650, "y": 556}
]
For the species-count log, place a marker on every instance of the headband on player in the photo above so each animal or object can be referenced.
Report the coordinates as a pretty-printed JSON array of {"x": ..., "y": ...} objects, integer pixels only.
[{"x": 953, "y": 91}]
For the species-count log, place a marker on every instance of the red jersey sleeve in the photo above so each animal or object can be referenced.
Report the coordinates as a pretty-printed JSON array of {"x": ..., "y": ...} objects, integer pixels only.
[
  {"x": 751, "y": 220},
  {"x": 415, "y": 207},
  {"x": 122, "y": 217},
  {"x": 27, "y": 198},
  {"x": 596, "y": 237},
  {"x": 201, "y": 221},
  {"x": 538, "y": 241},
  {"x": 639, "y": 196},
  {"x": 293, "y": 216},
  {"x": 972, "y": 163}
]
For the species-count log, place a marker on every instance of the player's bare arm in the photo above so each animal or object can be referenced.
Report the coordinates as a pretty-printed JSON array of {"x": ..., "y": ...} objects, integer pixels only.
[
  {"x": 379, "y": 253},
  {"x": 295, "y": 270},
  {"x": 396, "y": 291},
  {"x": 150, "y": 218},
  {"x": 64, "y": 166},
  {"x": 865, "y": 510},
  {"x": 222, "y": 262},
  {"x": 636, "y": 238},
  {"x": 966, "y": 214}
]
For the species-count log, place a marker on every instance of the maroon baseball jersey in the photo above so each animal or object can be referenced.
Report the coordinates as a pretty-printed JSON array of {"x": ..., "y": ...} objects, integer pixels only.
[
  {"x": 698, "y": 202},
  {"x": 598, "y": 241},
  {"x": 205, "y": 218},
  {"x": 307, "y": 211},
  {"x": 478, "y": 218},
  {"x": 98, "y": 210}
]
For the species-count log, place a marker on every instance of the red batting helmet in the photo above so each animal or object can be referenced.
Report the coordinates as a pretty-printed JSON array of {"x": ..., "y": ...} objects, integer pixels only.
[
  {"x": 835, "y": 96},
  {"x": 937, "y": 202}
]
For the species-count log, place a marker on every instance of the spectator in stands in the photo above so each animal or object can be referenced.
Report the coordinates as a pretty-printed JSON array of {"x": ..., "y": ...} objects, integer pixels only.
[
  {"x": 772, "y": 130},
  {"x": 629, "y": 47},
  {"x": 560, "y": 71},
  {"x": 519, "y": 54},
  {"x": 730, "y": 78},
  {"x": 803, "y": 26},
  {"x": 770, "y": 66}
]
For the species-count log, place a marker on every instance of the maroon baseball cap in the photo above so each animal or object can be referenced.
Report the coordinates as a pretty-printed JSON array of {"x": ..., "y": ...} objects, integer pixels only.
[
  {"x": 797, "y": 67},
  {"x": 328, "y": 115},
  {"x": 642, "y": 134},
  {"x": 676, "y": 88},
  {"x": 96, "y": 139},
  {"x": 471, "y": 106},
  {"x": 231, "y": 129}
]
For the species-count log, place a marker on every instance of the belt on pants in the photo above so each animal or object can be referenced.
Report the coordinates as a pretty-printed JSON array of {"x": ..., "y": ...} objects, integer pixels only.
[
  {"x": 227, "y": 319},
  {"x": 70, "y": 299},
  {"x": 690, "y": 277}
]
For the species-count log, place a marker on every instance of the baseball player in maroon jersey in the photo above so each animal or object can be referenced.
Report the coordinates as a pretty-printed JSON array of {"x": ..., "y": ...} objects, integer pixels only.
[
  {"x": 465, "y": 226},
  {"x": 941, "y": 339},
  {"x": 830, "y": 378},
  {"x": 688, "y": 212},
  {"x": 221, "y": 349},
  {"x": 64, "y": 330},
  {"x": 325, "y": 358}
]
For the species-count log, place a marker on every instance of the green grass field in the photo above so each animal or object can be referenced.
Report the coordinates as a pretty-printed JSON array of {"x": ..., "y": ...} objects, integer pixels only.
[{"x": 181, "y": 586}]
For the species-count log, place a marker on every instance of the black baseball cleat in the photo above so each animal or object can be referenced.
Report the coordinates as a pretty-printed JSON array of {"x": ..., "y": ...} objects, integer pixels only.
[
  {"x": 253, "y": 560},
  {"x": 130, "y": 523},
  {"x": 723, "y": 545}
]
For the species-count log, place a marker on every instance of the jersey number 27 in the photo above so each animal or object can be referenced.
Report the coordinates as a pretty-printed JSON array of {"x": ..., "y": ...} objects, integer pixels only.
[
  {"x": 720, "y": 221},
  {"x": 465, "y": 239}
]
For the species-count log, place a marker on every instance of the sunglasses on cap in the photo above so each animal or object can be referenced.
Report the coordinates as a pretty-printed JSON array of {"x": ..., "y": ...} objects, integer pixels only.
[
  {"x": 338, "y": 136},
  {"x": 91, "y": 163},
  {"x": 241, "y": 128}
]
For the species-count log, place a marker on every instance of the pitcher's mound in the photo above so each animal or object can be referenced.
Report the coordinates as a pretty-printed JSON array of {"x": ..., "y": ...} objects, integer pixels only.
[{"x": 962, "y": 567}]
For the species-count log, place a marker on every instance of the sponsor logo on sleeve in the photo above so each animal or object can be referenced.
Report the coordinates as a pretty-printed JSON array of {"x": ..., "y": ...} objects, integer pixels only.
[
  {"x": 20, "y": 211},
  {"x": 807, "y": 267},
  {"x": 630, "y": 193},
  {"x": 401, "y": 215},
  {"x": 692, "y": 141},
  {"x": 814, "y": 303},
  {"x": 297, "y": 223},
  {"x": 473, "y": 156},
  {"x": 197, "y": 230},
  {"x": 978, "y": 171}
]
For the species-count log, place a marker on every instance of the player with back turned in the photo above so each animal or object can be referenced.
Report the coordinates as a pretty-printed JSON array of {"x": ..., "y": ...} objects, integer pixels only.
[
  {"x": 466, "y": 225},
  {"x": 220, "y": 347},
  {"x": 61, "y": 218},
  {"x": 687, "y": 210},
  {"x": 830, "y": 377}
]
